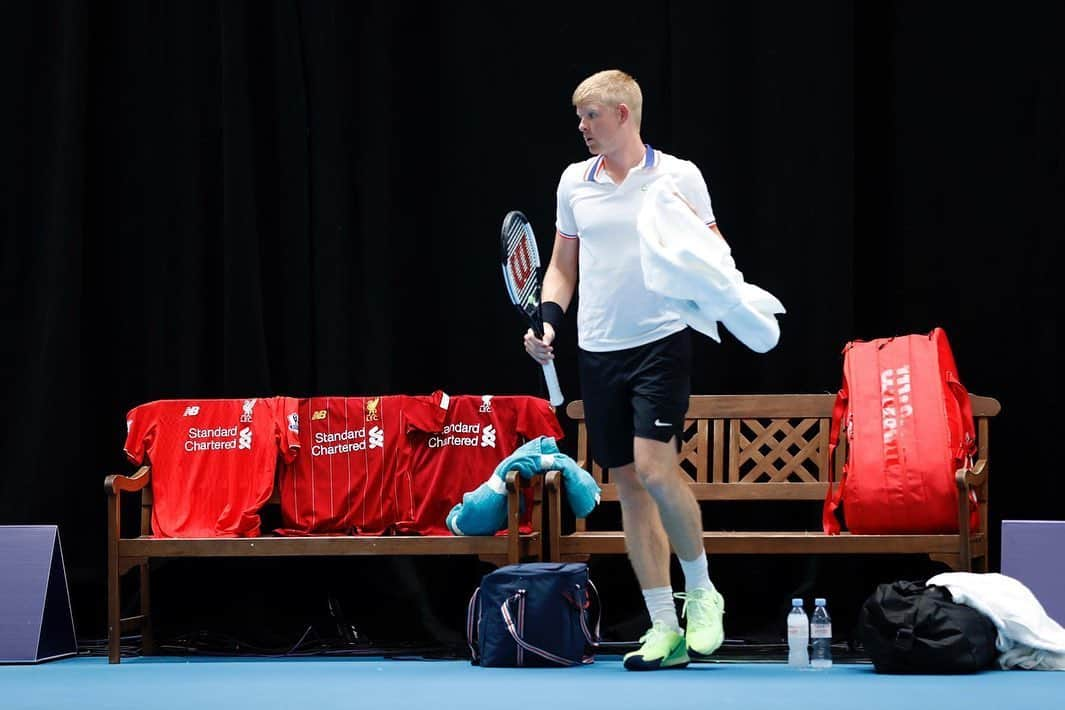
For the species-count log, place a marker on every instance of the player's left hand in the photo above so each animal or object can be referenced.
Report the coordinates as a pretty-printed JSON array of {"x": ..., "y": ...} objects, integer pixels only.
[{"x": 540, "y": 349}]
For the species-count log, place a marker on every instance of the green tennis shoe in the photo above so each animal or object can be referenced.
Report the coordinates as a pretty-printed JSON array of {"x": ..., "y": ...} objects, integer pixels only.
[
  {"x": 704, "y": 611},
  {"x": 661, "y": 648}
]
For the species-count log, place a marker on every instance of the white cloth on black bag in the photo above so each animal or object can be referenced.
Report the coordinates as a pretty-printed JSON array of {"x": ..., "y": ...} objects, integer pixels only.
[
  {"x": 1027, "y": 637},
  {"x": 695, "y": 270}
]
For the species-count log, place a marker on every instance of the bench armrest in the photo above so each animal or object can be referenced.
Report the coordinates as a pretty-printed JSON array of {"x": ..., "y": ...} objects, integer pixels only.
[
  {"x": 968, "y": 480},
  {"x": 117, "y": 483},
  {"x": 971, "y": 478},
  {"x": 515, "y": 482},
  {"x": 552, "y": 481}
]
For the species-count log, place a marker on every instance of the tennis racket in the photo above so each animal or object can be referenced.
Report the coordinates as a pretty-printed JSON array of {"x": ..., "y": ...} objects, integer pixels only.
[{"x": 522, "y": 275}]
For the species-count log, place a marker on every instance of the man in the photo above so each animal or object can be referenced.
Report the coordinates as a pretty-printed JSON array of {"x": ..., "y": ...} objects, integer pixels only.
[{"x": 634, "y": 360}]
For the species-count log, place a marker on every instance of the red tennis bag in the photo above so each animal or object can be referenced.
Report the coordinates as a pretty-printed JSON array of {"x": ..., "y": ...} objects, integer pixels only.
[{"x": 909, "y": 428}]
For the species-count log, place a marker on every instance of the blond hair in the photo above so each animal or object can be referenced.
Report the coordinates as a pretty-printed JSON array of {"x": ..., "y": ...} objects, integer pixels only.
[{"x": 611, "y": 88}]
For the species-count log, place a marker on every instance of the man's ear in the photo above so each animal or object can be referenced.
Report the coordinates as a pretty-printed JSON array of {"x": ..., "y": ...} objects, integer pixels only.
[{"x": 624, "y": 114}]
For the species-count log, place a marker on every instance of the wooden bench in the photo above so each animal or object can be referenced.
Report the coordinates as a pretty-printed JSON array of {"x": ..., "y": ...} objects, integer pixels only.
[
  {"x": 126, "y": 553},
  {"x": 770, "y": 448}
]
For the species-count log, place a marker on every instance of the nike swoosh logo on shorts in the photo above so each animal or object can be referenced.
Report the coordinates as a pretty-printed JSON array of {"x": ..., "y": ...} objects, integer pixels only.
[{"x": 659, "y": 422}]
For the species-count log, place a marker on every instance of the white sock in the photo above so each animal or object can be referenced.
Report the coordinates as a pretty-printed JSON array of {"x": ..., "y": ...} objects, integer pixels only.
[
  {"x": 696, "y": 573},
  {"x": 661, "y": 607}
]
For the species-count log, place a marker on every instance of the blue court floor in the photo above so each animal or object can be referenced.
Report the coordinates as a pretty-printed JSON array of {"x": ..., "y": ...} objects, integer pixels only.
[{"x": 89, "y": 683}]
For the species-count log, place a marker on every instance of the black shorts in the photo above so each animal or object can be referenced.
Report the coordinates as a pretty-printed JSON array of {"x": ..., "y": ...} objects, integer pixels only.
[{"x": 641, "y": 391}]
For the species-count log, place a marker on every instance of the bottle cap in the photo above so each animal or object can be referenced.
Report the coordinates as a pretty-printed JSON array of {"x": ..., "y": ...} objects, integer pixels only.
[
  {"x": 796, "y": 602},
  {"x": 820, "y": 601}
]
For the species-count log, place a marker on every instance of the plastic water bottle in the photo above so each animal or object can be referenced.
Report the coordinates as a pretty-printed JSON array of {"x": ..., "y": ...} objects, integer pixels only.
[
  {"x": 820, "y": 636},
  {"x": 798, "y": 635}
]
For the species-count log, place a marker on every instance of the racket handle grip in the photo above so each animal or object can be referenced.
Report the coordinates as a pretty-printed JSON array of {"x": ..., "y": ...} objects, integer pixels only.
[{"x": 553, "y": 390}]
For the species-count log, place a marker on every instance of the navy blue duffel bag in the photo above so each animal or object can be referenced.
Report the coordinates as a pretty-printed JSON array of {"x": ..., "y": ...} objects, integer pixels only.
[{"x": 533, "y": 614}]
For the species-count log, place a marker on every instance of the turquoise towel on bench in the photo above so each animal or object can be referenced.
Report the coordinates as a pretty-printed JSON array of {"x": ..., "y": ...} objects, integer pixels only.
[{"x": 483, "y": 511}]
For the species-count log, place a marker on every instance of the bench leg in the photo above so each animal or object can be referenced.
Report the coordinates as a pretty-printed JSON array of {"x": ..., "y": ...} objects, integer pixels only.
[
  {"x": 147, "y": 632},
  {"x": 114, "y": 605},
  {"x": 114, "y": 619}
]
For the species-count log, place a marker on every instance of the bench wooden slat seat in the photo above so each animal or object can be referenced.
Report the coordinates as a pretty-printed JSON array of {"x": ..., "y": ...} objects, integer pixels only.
[
  {"x": 768, "y": 542},
  {"x": 127, "y": 553},
  {"x": 771, "y": 448},
  {"x": 316, "y": 546}
]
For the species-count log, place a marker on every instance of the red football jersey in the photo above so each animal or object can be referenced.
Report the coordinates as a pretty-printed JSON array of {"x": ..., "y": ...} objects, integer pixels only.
[
  {"x": 342, "y": 481},
  {"x": 213, "y": 461},
  {"x": 479, "y": 432}
]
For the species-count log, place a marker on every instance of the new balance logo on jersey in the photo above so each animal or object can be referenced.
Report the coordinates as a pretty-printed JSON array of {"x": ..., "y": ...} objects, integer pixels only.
[
  {"x": 244, "y": 438},
  {"x": 377, "y": 437},
  {"x": 488, "y": 436},
  {"x": 486, "y": 404},
  {"x": 191, "y": 411},
  {"x": 245, "y": 417},
  {"x": 317, "y": 414}
]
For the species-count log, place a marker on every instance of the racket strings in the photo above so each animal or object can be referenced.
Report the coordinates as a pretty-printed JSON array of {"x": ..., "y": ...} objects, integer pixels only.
[
  {"x": 528, "y": 292},
  {"x": 517, "y": 235}
]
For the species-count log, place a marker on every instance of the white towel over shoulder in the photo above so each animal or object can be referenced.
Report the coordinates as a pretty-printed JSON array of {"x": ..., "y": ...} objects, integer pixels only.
[
  {"x": 1027, "y": 636},
  {"x": 697, "y": 272}
]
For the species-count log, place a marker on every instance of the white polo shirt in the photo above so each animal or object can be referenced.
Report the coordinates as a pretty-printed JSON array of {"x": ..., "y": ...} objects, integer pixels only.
[{"x": 615, "y": 310}]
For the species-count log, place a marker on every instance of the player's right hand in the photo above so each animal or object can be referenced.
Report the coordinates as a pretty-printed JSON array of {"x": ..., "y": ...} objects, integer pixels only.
[{"x": 540, "y": 349}]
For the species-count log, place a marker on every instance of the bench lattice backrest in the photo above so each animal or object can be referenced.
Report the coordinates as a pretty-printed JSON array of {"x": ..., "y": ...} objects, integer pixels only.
[{"x": 764, "y": 447}]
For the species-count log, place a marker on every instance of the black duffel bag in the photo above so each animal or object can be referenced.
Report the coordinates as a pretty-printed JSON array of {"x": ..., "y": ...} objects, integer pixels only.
[
  {"x": 533, "y": 614},
  {"x": 908, "y": 627}
]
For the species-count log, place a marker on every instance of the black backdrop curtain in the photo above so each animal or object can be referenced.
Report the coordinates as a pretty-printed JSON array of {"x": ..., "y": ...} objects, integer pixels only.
[{"x": 223, "y": 199}]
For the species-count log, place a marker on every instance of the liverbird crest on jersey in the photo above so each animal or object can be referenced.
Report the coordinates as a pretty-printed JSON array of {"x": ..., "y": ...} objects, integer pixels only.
[{"x": 248, "y": 405}]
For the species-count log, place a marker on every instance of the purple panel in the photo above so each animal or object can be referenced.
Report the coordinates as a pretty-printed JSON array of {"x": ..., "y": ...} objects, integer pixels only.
[
  {"x": 31, "y": 574},
  {"x": 1033, "y": 552}
]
